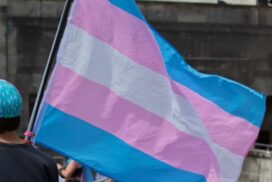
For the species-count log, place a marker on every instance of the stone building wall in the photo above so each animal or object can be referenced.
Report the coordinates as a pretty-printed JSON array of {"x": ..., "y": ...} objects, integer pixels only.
[
  {"x": 31, "y": 31},
  {"x": 232, "y": 41},
  {"x": 3, "y": 60},
  {"x": 257, "y": 167}
]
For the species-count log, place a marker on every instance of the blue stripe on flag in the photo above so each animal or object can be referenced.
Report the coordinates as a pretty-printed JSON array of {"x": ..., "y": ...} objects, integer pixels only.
[
  {"x": 231, "y": 96},
  {"x": 129, "y": 6},
  {"x": 104, "y": 152}
]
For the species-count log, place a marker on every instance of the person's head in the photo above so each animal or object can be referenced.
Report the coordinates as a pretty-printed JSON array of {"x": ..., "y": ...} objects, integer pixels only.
[{"x": 10, "y": 107}]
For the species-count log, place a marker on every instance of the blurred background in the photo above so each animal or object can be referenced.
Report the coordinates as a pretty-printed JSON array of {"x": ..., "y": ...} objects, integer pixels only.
[{"x": 231, "y": 38}]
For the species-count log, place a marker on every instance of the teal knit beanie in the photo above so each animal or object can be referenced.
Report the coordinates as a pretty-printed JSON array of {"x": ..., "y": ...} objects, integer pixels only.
[{"x": 11, "y": 102}]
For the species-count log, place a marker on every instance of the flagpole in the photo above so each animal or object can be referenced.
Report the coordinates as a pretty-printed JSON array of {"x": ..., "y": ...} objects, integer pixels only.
[{"x": 50, "y": 61}]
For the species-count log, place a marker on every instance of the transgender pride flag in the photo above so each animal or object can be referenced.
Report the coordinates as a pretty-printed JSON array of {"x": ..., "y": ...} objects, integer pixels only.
[{"x": 122, "y": 101}]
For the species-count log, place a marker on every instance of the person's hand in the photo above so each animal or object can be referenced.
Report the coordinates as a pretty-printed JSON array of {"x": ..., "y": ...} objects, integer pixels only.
[
  {"x": 109, "y": 180},
  {"x": 59, "y": 166}
]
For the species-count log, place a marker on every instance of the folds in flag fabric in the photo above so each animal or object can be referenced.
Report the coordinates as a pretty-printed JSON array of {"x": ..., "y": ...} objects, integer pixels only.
[{"x": 122, "y": 101}]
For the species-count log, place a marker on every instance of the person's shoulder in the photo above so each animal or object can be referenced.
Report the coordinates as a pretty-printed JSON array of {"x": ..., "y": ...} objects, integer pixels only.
[
  {"x": 38, "y": 152},
  {"x": 43, "y": 157},
  {"x": 4, "y": 150},
  {"x": 25, "y": 152}
]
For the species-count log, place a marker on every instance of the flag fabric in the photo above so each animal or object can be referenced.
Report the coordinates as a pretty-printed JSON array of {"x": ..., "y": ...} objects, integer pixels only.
[{"x": 122, "y": 101}]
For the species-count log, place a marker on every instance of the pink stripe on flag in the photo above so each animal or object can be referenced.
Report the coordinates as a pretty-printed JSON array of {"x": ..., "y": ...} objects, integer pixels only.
[
  {"x": 143, "y": 130},
  {"x": 120, "y": 30},
  {"x": 226, "y": 130}
]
